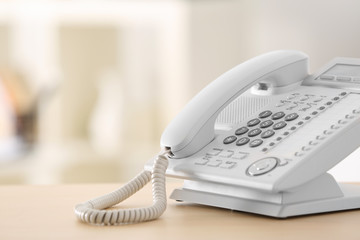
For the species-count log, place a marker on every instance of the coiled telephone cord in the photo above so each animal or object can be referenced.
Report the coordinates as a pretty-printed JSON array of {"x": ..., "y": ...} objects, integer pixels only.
[{"x": 93, "y": 211}]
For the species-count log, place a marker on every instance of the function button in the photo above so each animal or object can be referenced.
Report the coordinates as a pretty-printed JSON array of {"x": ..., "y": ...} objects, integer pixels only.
[
  {"x": 228, "y": 164},
  {"x": 356, "y": 111},
  {"x": 342, "y": 121},
  {"x": 278, "y": 115},
  {"x": 227, "y": 154},
  {"x": 292, "y": 106},
  {"x": 300, "y": 123},
  {"x": 291, "y": 116},
  {"x": 328, "y": 103},
  {"x": 320, "y": 137},
  {"x": 307, "y": 117},
  {"x": 240, "y": 155},
  {"x": 255, "y": 143},
  {"x": 304, "y": 98},
  {"x": 356, "y": 80},
  {"x": 214, "y": 163},
  {"x": 229, "y": 139},
  {"x": 242, "y": 141},
  {"x": 201, "y": 161},
  {"x": 343, "y": 93},
  {"x": 266, "y": 124},
  {"x": 293, "y": 128},
  {"x": 282, "y": 103},
  {"x": 253, "y": 122},
  {"x": 327, "y": 77},
  {"x": 343, "y": 79},
  {"x": 336, "y": 98},
  {"x": 306, "y": 148},
  {"x": 317, "y": 99},
  {"x": 314, "y": 112},
  {"x": 299, "y": 154},
  {"x": 279, "y": 125},
  {"x": 262, "y": 166},
  {"x": 286, "y": 133},
  {"x": 241, "y": 131},
  {"x": 267, "y": 133},
  {"x": 214, "y": 152},
  {"x": 321, "y": 108},
  {"x": 265, "y": 114},
  {"x": 313, "y": 143},
  {"x": 254, "y": 132},
  {"x": 290, "y": 97},
  {"x": 347, "y": 116},
  {"x": 271, "y": 144}
]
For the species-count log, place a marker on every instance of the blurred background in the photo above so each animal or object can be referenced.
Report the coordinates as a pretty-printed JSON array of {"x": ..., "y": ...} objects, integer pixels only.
[{"x": 87, "y": 87}]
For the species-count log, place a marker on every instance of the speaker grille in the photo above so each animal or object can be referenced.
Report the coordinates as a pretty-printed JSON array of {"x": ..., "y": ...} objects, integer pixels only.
[{"x": 241, "y": 108}]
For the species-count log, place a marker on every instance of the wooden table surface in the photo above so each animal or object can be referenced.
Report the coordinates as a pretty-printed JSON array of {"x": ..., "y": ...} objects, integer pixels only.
[{"x": 46, "y": 212}]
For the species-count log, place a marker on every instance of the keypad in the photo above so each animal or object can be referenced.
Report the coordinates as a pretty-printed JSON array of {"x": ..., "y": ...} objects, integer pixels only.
[{"x": 294, "y": 111}]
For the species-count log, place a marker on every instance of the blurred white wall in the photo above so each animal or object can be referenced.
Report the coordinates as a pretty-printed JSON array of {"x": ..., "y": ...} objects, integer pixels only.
[{"x": 77, "y": 55}]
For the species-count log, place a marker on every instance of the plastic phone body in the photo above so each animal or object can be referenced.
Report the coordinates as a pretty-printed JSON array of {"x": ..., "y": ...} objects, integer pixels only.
[{"x": 262, "y": 136}]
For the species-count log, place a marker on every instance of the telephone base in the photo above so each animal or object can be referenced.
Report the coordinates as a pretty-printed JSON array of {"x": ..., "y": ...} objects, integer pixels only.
[{"x": 350, "y": 199}]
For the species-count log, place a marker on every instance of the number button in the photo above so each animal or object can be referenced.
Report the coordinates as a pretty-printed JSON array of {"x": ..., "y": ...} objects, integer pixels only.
[
  {"x": 242, "y": 141},
  {"x": 229, "y": 139},
  {"x": 291, "y": 116},
  {"x": 265, "y": 114},
  {"x": 241, "y": 131},
  {"x": 277, "y": 115},
  {"x": 267, "y": 133},
  {"x": 253, "y": 122},
  {"x": 266, "y": 124},
  {"x": 254, "y": 132},
  {"x": 255, "y": 143},
  {"x": 279, "y": 125}
]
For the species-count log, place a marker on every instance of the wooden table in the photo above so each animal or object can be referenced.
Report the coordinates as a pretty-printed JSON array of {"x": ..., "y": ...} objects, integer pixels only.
[{"x": 46, "y": 212}]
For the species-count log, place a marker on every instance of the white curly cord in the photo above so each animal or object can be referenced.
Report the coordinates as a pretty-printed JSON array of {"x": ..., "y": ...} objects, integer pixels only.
[{"x": 92, "y": 211}]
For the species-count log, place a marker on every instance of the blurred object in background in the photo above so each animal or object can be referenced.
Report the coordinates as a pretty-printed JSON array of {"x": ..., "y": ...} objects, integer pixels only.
[{"x": 17, "y": 116}]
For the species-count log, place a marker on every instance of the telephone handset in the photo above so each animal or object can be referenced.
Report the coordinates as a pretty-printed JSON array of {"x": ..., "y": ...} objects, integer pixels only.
[
  {"x": 260, "y": 139},
  {"x": 193, "y": 128}
]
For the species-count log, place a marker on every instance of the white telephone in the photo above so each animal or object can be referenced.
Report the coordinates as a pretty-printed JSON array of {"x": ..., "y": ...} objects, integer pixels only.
[{"x": 259, "y": 139}]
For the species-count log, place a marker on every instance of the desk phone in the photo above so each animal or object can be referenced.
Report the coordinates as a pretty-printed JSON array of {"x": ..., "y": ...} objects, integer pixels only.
[{"x": 260, "y": 138}]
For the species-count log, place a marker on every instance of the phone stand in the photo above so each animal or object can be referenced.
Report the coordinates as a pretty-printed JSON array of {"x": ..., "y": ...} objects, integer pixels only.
[{"x": 320, "y": 195}]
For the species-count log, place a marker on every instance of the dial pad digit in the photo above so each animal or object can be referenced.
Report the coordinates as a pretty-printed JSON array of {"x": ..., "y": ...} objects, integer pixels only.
[
  {"x": 242, "y": 141},
  {"x": 229, "y": 139},
  {"x": 266, "y": 124},
  {"x": 254, "y": 132},
  {"x": 241, "y": 131},
  {"x": 277, "y": 115},
  {"x": 253, "y": 122},
  {"x": 265, "y": 114}
]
